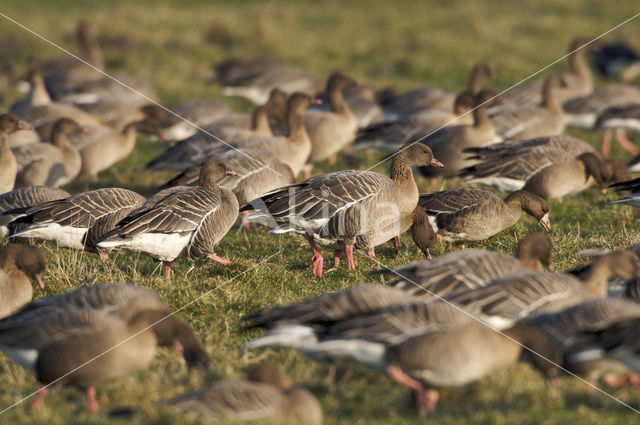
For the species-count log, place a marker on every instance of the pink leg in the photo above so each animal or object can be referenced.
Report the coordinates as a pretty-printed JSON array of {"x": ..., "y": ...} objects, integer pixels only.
[
  {"x": 606, "y": 142},
  {"x": 625, "y": 143},
  {"x": 92, "y": 404},
  {"x": 245, "y": 222},
  {"x": 429, "y": 254},
  {"x": 372, "y": 254},
  {"x": 350, "y": 262},
  {"x": 427, "y": 399},
  {"x": 317, "y": 257},
  {"x": 167, "y": 270},
  {"x": 337, "y": 253},
  {"x": 431, "y": 399},
  {"x": 433, "y": 181},
  {"x": 397, "y": 242},
  {"x": 104, "y": 256},
  {"x": 333, "y": 159},
  {"x": 39, "y": 397},
  {"x": 214, "y": 257}
]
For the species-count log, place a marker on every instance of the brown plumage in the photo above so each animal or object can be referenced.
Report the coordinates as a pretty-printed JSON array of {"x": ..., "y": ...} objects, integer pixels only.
[
  {"x": 14, "y": 204},
  {"x": 19, "y": 265}
]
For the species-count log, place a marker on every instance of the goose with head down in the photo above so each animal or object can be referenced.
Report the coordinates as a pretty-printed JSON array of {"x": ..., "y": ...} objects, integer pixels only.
[
  {"x": 337, "y": 208},
  {"x": 19, "y": 264}
]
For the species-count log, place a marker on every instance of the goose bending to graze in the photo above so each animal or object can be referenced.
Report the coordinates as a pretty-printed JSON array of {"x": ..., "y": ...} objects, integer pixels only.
[
  {"x": 471, "y": 214},
  {"x": 526, "y": 293},
  {"x": 50, "y": 164},
  {"x": 330, "y": 131},
  {"x": 507, "y": 166},
  {"x": 180, "y": 221},
  {"x": 267, "y": 395},
  {"x": 337, "y": 208},
  {"x": 448, "y": 143},
  {"x": 15, "y": 203},
  {"x": 78, "y": 221},
  {"x": 545, "y": 119},
  {"x": 18, "y": 265},
  {"x": 470, "y": 269},
  {"x": 201, "y": 112},
  {"x": 9, "y": 124},
  {"x": 93, "y": 334}
]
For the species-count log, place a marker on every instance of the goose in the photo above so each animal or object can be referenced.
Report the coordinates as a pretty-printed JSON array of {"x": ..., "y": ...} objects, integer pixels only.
[
  {"x": 361, "y": 98},
  {"x": 527, "y": 293},
  {"x": 419, "y": 100},
  {"x": 14, "y": 203},
  {"x": 16, "y": 131},
  {"x": 331, "y": 131},
  {"x": 617, "y": 60},
  {"x": 545, "y": 119},
  {"x": 338, "y": 207},
  {"x": 267, "y": 395},
  {"x": 583, "y": 111},
  {"x": 507, "y": 166},
  {"x": 448, "y": 143},
  {"x": 9, "y": 124},
  {"x": 472, "y": 214},
  {"x": 201, "y": 112},
  {"x": 257, "y": 86},
  {"x": 180, "y": 221},
  {"x": 633, "y": 197},
  {"x": 238, "y": 69},
  {"x": 619, "y": 119},
  {"x": 94, "y": 334},
  {"x": 77, "y": 221},
  {"x": 50, "y": 164},
  {"x": 19, "y": 264},
  {"x": 577, "y": 82},
  {"x": 196, "y": 149}
]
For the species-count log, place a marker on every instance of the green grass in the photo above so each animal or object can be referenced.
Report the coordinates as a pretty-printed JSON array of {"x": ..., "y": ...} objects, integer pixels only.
[{"x": 173, "y": 44}]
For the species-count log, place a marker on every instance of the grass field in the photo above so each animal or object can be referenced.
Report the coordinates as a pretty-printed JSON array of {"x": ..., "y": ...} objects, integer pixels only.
[{"x": 403, "y": 45}]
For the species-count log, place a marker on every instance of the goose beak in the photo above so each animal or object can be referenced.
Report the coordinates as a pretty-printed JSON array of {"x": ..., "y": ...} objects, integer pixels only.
[
  {"x": 545, "y": 222},
  {"x": 317, "y": 101},
  {"x": 179, "y": 348},
  {"x": 436, "y": 163},
  {"x": 84, "y": 130},
  {"x": 40, "y": 281},
  {"x": 24, "y": 126},
  {"x": 231, "y": 172},
  {"x": 604, "y": 190}
]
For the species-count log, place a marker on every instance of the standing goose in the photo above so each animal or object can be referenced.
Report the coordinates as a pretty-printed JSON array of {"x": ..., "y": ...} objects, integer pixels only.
[
  {"x": 331, "y": 131},
  {"x": 9, "y": 124},
  {"x": 78, "y": 221},
  {"x": 619, "y": 119},
  {"x": 338, "y": 207},
  {"x": 471, "y": 214},
  {"x": 448, "y": 143},
  {"x": 267, "y": 395},
  {"x": 49, "y": 164},
  {"x": 181, "y": 221},
  {"x": 527, "y": 293},
  {"x": 94, "y": 334},
  {"x": 15, "y": 203},
  {"x": 507, "y": 166},
  {"x": 18, "y": 265},
  {"x": 545, "y": 119}
]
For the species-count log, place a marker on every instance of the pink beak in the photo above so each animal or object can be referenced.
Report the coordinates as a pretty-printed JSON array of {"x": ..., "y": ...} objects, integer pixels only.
[
  {"x": 24, "y": 126},
  {"x": 179, "y": 348},
  {"x": 40, "y": 281},
  {"x": 317, "y": 101},
  {"x": 84, "y": 130},
  {"x": 604, "y": 190},
  {"x": 231, "y": 173},
  {"x": 545, "y": 222},
  {"x": 436, "y": 163}
]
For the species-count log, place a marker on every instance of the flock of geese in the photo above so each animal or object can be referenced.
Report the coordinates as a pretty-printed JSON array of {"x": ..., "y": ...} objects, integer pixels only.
[{"x": 444, "y": 321}]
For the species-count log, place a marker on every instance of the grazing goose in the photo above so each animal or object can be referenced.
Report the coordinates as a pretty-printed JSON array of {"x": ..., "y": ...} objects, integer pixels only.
[
  {"x": 471, "y": 214},
  {"x": 180, "y": 221},
  {"x": 448, "y": 143},
  {"x": 9, "y": 124},
  {"x": 267, "y": 395},
  {"x": 14, "y": 204},
  {"x": 633, "y": 197},
  {"x": 18, "y": 265},
  {"x": 470, "y": 269},
  {"x": 338, "y": 207},
  {"x": 331, "y": 131},
  {"x": 507, "y": 166},
  {"x": 527, "y": 293},
  {"x": 93, "y": 334},
  {"x": 78, "y": 221},
  {"x": 419, "y": 100},
  {"x": 201, "y": 112},
  {"x": 50, "y": 164},
  {"x": 577, "y": 82},
  {"x": 545, "y": 119},
  {"x": 619, "y": 118},
  {"x": 196, "y": 149}
]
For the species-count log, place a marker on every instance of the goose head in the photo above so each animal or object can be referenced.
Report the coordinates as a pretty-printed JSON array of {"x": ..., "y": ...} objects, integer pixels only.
[
  {"x": 533, "y": 205},
  {"x": 417, "y": 155},
  {"x": 595, "y": 167},
  {"x": 171, "y": 330},
  {"x": 277, "y": 104},
  {"x": 338, "y": 82},
  {"x": 535, "y": 249},
  {"x": 65, "y": 127},
  {"x": 9, "y": 123},
  {"x": 212, "y": 171},
  {"x": 298, "y": 103},
  {"x": 28, "y": 259}
]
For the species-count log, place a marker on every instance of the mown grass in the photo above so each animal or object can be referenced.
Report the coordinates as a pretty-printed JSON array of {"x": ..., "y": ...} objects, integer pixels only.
[{"x": 173, "y": 44}]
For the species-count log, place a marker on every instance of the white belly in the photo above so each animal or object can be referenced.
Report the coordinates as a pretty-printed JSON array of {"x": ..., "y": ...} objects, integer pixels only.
[
  {"x": 163, "y": 246},
  {"x": 64, "y": 236}
]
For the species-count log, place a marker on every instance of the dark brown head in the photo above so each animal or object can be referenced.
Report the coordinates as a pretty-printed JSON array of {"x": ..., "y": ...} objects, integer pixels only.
[
  {"x": 27, "y": 258},
  {"x": 277, "y": 104},
  {"x": 298, "y": 103},
  {"x": 154, "y": 112},
  {"x": 417, "y": 155},
  {"x": 479, "y": 73},
  {"x": 595, "y": 167},
  {"x": 9, "y": 123},
  {"x": 212, "y": 171},
  {"x": 484, "y": 98},
  {"x": 618, "y": 170},
  {"x": 338, "y": 82},
  {"x": 552, "y": 82},
  {"x": 533, "y": 205},
  {"x": 65, "y": 127},
  {"x": 421, "y": 231},
  {"x": 464, "y": 102},
  {"x": 173, "y": 331},
  {"x": 535, "y": 249},
  {"x": 266, "y": 373}
]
